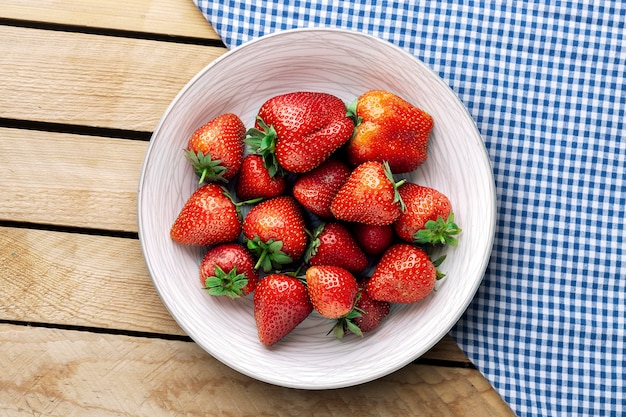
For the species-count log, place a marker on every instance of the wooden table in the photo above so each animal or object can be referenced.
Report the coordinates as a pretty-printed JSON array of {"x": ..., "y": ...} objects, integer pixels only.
[{"x": 82, "y": 329}]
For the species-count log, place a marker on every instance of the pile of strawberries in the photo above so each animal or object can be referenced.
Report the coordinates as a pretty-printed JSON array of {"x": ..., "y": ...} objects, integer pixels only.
[{"x": 324, "y": 208}]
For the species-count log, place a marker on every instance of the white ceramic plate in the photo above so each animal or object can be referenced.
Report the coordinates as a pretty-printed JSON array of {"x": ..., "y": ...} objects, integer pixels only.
[{"x": 345, "y": 64}]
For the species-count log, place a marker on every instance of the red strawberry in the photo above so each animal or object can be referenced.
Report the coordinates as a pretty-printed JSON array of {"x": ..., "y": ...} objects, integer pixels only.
[
  {"x": 316, "y": 189},
  {"x": 372, "y": 312},
  {"x": 365, "y": 316},
  {"x": 374, "y": 240},
  {"x": 275, "y": 232},
  {"x": 333, "y": 244},
  {"x": 208, "y": 217},
  {"x": 368, "y": 196},
  {"x": 332, "y": 290},
  {"x": 404, "y": 274},
  {"x": 215, "y": 150},
  {"x": 391, "y": 129},
  {"x": 300, "y": 130},
  {"x": 281, "y": 303},
  {"x": 428, "y": 218},
  {"x": 255, "y": 181},
  {"x": 228, "y": 269}
]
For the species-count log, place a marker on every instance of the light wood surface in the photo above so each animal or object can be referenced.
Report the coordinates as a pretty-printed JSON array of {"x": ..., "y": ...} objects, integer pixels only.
[
  {"x": 65, "y": 372},
  {"x": 82, "y": 329},
  {"x": 93, "y": 80},
  {"x": 79, "y": 180},
  {"x": 164, "y": 17}
]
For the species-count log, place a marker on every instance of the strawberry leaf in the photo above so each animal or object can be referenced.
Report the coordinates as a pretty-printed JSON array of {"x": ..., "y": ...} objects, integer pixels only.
[
  {"x": 229, "y": 284},
  {"x": 439, "y": 232},
  {"x": 353, "y": 328},
  {"x": 437, "y": 262},
  {"x": 263, "y": 142},
  {"x": 396, "y": 184},
  {"x": 280, "y": 258},
  {"x": 346, "y": 323},
  {"x": 274, "y": 246},
  {"x": 339, "y": 330},
  {"x": 267, "y": 141},
  {"x": 314, "y": 242},
  {"x": 205, "y": 167},
  {"x": 352, "y": 113},
  {"x": 269, "y": 254}
]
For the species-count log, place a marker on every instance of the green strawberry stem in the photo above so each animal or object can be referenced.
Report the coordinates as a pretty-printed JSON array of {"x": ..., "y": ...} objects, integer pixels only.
[
  {"x": 269, "y": 254},
  {"x": 296, "y": 274},
  {"x": 247, "y": 202},
  {"x": 261, "y": 261},
  {"x": 206, "y": 168},
  {"x": 396, "y": 184},
  {"x": 263, "y": 142},
  {"x": 437, "y": 262},
  {"x": 229, "y": 284},
  {"x": 314, "y": 242},
  {"x": 240, "y": 203},
  {"x": 352, "y": 114},
  {"x": 346, "y": 323},
  {"x": 438, "y": 232}
]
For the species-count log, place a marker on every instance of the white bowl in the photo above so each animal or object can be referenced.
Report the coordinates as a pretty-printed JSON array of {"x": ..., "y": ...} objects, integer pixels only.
[{"x": 346, "y": 64}]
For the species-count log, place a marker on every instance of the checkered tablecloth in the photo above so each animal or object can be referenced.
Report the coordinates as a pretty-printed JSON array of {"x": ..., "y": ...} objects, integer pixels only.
[{"x": 545, "y": 82}]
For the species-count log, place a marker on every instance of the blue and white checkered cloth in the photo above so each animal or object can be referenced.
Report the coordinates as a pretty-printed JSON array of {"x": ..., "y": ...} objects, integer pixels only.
[{"x": 545, "y": 81}]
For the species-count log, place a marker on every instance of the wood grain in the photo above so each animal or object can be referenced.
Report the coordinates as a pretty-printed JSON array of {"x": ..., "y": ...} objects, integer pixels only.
[
  {"x": 93, "y": 80},
  {"x": 76, "y": 181},
  {"x": 73, "y": 279},
  {"x": 167, "y": 17},
  {"x": 151, "y": 377},
  {"x": 79, "y": 280}
]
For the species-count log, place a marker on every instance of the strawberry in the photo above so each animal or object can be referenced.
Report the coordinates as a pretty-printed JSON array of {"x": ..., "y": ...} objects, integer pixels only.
[
  {"x": 215, "y": 149},
  {"x": 374, "y": 240},
  {"x": 228, "y": 269},
  {"x": 365, "y": 316},
  {"x": 372, "y": 312},
  {"x": 275, "y": 232},
  {"x": 368, "y": 196},
  {"x": 390, "y": 129},
  {"x": 254, "y": 180},
  {"x": 333, "y": 244},
  {"x": 428, "y": 218},
  {"x": 332, "y": 290},
  {"x": 208, "y": 217},
  {"x": 281, "y": 303},
  {"x": 316, "y": 189},
  {"x": 300, "y": 130},
  {"x": 404, "y": 274}
]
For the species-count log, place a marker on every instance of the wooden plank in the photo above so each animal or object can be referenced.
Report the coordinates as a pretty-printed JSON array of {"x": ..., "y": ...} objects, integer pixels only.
[
  {"x": 167, "y": 17},
  {"x": 78, "y": 280},
  {"x": 93, "y": 281},
  {"x": 44, "y": 373},
  {"x": 76, "y": 181},
  {"x": 93, "y": 80}
]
